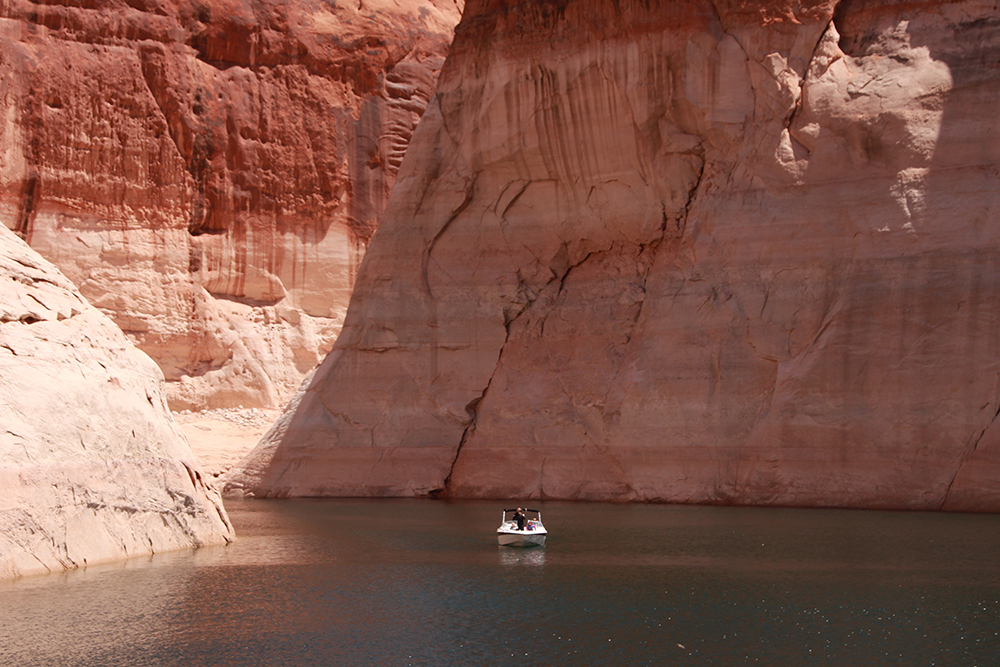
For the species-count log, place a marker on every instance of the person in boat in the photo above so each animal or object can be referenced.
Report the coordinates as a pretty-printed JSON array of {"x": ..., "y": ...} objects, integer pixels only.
[{"x": 519, "y": 518}]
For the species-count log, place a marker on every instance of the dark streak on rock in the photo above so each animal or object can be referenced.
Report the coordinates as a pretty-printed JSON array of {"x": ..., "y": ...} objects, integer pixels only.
[{"x": 30, "y": 194}]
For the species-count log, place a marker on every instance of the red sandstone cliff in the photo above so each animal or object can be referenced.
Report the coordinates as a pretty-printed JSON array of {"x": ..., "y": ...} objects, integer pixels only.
[
  {"x": 209, "y": 172},
  {"x": 701, "y": 251}
]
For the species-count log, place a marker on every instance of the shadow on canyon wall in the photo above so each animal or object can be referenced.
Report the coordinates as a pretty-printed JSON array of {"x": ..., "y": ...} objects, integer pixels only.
[{"x": 942, "y": 307}]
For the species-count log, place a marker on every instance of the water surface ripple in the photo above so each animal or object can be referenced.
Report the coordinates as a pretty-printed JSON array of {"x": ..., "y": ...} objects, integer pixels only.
[{"x": 407, "y": 582}]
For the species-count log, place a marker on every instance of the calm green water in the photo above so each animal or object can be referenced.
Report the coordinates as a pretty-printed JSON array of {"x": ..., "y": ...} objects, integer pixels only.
[{"x": 347, "y": 582}]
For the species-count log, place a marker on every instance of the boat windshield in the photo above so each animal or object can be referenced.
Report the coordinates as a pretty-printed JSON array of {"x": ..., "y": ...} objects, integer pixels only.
[{"x": 537, "y": 514}]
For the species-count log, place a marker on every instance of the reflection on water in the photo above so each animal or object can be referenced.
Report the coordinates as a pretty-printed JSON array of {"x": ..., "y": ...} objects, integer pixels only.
[
  {"x": 348, "y": 582},
  {"x": 522, "y": 556}
]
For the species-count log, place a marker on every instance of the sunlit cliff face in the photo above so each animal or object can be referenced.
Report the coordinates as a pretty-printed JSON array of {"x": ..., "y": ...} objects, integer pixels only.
[
  {"x": 210, "y": 173},
  {"x": 725, "y": 252},
  {"x": 92, "y": 467},
  {"x": 883, "y": 103}
]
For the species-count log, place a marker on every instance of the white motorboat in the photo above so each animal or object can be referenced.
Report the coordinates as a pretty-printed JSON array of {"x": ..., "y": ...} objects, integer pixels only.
[{"x": 520, "y": 530}]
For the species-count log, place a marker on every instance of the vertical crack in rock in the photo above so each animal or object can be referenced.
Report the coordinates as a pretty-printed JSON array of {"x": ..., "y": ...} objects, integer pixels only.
[
  {"x": 513, "y": 200},
  {"x": 432, "y": 323},
  {"x": 718, "y": 19},
  {"x": 290, "y": 468},
  {"x": 570, "y": 268},
  {"x": 970, "y": 449},
  {"x": 472, "y": 407},
  {"x": 430, "y": 301},
  {"x": 470, "y": 191},
  {"x": 601, "y": 444},
  {"x": 807, "y": 74},
  {"x": 675, "y": 234},
  {"x": 530, "y": 297},
  {"x": 381, "y": 456}
]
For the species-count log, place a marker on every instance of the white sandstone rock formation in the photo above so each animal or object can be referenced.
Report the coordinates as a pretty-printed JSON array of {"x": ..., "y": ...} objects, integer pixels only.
[{"x": 92, "y": 466}]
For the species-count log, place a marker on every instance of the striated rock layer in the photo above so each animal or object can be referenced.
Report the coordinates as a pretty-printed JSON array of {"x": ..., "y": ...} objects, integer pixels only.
[
  {"x": 92, "y": 466},
  {"x": 689, "y": 251},
  {"x": 209, "y": 172}
]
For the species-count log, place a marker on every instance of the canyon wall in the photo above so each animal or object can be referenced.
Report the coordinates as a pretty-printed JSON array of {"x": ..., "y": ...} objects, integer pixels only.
[
  {"x": 92, "y": 466},
  {"x": 699, "y": 251},
  {"x": 209, "y": 172}
]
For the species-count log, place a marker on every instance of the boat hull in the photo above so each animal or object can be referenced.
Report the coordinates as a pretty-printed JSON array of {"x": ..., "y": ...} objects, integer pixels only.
[{"x": 521, "y": 539}]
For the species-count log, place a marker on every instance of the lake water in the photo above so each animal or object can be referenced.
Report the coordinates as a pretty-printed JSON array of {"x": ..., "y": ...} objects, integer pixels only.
[{"x": 407, "y": 582}]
